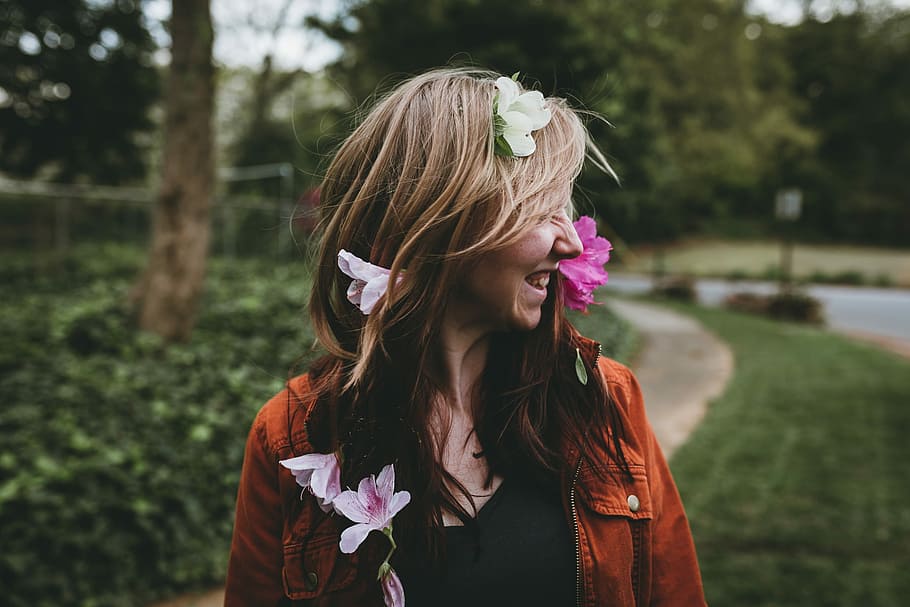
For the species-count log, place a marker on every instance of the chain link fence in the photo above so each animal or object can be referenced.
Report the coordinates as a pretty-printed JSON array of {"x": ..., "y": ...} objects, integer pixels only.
[{"x": 49, "y": 220}]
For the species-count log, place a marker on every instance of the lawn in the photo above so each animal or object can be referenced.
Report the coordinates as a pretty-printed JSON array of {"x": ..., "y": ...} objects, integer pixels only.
[
  {"x": 796, "y": 483},
  {"x": 760, "y": 259}
]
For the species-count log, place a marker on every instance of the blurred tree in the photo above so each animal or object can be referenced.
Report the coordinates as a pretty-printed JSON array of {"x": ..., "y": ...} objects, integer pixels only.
[
  {"x": 167, "y": 292},
  {"x": 698, "y": 115},
  {"x": 262, "y": 139},
  {"x": 852, "y": 71},
  {"x": 76, "y": 85}
]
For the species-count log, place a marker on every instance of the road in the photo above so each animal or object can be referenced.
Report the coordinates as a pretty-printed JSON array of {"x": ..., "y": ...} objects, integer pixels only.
[{"x": 879, "y": 314}]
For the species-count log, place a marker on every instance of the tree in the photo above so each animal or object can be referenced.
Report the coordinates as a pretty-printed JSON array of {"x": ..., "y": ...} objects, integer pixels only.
[
  {"x": 76, "y": 84},
  {"x": 852, "y": 72},
  {"x": 167, "y": 292},
  {"x": 681, "y": 80}
]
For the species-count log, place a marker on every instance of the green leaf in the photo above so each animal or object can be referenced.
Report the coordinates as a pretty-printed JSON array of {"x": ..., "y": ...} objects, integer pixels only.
[
  {"x": 515, "y": 76},
  {"x": 499, "y": 125},
  {"x": 580, "y": 370},
  {"x": 502, "y": 148}
]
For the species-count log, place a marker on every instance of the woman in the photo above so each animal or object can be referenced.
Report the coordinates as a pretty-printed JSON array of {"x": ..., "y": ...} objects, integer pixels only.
[{"x": 515, "y": 464}]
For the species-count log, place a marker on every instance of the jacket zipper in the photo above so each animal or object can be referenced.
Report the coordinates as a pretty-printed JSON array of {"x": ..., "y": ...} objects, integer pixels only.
[
  {"x": 578, "y": 573},
  {"x": 578, "y": 576}
]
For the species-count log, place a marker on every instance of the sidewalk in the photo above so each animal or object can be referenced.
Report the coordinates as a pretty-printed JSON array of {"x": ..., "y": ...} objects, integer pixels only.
[{"x": 681, "y": 367}]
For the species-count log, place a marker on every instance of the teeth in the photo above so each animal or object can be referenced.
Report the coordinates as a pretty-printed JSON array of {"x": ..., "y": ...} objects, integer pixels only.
[{"x": 539, "y": 282}]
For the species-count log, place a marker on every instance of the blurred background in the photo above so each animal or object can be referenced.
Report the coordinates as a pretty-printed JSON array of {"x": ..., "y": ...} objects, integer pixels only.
[{"x": 159, "y": 173}]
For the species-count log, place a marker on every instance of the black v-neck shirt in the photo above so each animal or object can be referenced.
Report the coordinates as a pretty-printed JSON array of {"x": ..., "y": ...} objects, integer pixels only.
[{"x": 518, "y": 551}]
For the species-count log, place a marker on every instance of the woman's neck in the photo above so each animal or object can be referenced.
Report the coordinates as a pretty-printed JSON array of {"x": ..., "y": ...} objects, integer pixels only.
[{"x": 461, "y": 360}]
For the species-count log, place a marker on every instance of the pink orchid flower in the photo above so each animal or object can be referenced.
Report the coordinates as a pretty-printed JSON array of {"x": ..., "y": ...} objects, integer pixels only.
[
  {"x": 318, "y": 472},
  {"x": 371, "y": 507},
  {"x": 392, "y": 590},
  {"x": 585, "y": 273}
]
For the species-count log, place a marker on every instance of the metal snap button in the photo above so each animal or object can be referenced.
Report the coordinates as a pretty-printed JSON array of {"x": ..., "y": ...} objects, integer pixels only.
[
  {"x": 634, "y": 503},
  {"x": 311, "y": 581}
]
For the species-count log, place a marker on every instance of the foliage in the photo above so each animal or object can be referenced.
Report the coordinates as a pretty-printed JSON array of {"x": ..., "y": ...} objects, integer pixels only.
[
  {"x": 698, "y": 126},
  {"x": 76, "y": 85},
  {"x": 852, "y": 72},
  {"x": 121, "y": 457},
  {"x": 795, "y": 481},
  {"x": 300, "y": 119},
  {"x": 791, "y": 305}
]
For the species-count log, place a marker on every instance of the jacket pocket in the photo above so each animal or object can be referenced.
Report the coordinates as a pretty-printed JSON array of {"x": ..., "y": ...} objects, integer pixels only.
[
  {"x": 317, "y": 567},
  {"x": 617, "y": 495}
]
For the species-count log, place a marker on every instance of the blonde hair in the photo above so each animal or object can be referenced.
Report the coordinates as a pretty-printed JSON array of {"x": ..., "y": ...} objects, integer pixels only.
[{"x": 418, "y": 189}]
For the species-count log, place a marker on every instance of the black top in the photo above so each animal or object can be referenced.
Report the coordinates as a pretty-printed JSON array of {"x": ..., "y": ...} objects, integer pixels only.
[{"x": 518, "y": 551}]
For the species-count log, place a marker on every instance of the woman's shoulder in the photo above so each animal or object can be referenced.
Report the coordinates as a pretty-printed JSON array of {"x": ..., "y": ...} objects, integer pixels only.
[
  {"x": 281, "y": 423},
  {"x": 624, "y": 388}
]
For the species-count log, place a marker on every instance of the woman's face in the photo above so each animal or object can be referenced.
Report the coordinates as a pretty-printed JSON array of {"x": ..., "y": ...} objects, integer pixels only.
[{"x": 506, "y": 288}]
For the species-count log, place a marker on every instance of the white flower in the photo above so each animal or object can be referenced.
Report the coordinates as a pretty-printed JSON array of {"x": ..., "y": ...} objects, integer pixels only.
[
  {"x": 318, "y": 472},
  {"x": 519, "y": 114},
  {"x": 369, "y": 284}
]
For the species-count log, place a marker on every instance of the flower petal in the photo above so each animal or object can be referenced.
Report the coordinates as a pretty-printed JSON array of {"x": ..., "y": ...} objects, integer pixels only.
[
  {"x": 385, "y": 482},
  {"x": 371, "y": 293},
  {"x": 532, "y": 105},
  {"x": 516, "y": 122},
  {"x": 586, "y": 228},
  {"x": 522, "y": 144},
  {"x": 310, "y": 461},
  {"x": 353, "y": 536},
  {"x": 398, "y": 501},
  {"x": 349, "y": 505},
  {"x": 392, "y": 590},
  {"x": 355, "y": 267},
  {"x": 304, "y": 466},
  {"x": 326, "y": 482},
  {"x": 508, "y": 93},
  {"x": 583, "y": 274}
]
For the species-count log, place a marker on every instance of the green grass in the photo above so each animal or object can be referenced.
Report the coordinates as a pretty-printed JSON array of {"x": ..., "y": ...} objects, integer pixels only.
[
  {"x": 797, "y": 483},
  {"x": 760, "y": 259},
  {"x": 619, "y": 339}
]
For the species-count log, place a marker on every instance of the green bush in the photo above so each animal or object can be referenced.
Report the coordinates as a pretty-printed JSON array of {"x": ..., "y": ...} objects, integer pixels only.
[
  {"x": 120, "y": 457},
  {"x": 794, "y": 306},
  {"x": 678, "y": 288}
]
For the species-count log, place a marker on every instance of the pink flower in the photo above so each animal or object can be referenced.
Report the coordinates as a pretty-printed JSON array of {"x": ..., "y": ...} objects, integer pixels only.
[
  {"x": 392, "y": 590},
  {"x": 318, "y": 472},
  {"x": 585, "y": 273},
  {"x": 369, "y": 284},
  {"x": 371, "y": 507}
]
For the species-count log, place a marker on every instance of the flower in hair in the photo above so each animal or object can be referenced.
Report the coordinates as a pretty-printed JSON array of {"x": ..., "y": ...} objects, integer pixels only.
[
  {"x": 582, "y": 274},
  {"x": 369, "y": 284},
  {"x": 515, "y": 115}
]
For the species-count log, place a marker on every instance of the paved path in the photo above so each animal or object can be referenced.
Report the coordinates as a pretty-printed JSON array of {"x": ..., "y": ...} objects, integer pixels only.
[
  {"x": 878, "y": 315},
  {"x": 681, "y": 368}
]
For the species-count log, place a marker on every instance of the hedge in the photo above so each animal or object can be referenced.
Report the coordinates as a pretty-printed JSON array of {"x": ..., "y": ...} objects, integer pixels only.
[{"x": 121, "y": 457}]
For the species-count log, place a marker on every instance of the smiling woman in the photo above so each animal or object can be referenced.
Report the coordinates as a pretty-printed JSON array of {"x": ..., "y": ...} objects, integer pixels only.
[{"x": 507, "y": 448}]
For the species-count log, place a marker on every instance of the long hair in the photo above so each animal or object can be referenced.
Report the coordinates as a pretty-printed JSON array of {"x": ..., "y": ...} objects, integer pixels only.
[{"x": 418, "y": 189}]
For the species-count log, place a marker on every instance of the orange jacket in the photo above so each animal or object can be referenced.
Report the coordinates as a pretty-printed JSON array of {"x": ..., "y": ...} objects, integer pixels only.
[{"x": 633, "y": 545}]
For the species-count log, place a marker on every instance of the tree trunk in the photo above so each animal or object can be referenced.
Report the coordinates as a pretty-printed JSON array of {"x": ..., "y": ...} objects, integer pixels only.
[{"x": 167, "y": 293}]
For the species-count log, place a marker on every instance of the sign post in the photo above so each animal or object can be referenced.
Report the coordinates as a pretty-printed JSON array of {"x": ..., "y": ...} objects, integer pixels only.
[{"x": 787, "y": 208}]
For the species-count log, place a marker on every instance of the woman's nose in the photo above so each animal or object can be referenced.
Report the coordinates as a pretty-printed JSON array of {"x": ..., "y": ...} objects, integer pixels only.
[{"x": 567, "y": 244}]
